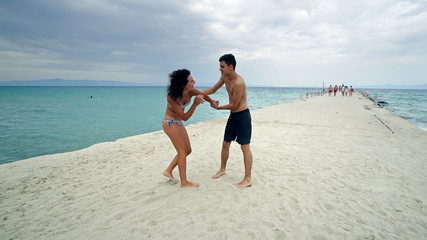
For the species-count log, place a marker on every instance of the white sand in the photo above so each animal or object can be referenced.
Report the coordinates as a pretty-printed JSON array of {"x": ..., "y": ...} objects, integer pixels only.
[{"x": 324, "y": 168}]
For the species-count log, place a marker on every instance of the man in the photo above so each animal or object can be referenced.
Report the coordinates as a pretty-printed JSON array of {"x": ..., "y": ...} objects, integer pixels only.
[{"x": 239, "y": 126}]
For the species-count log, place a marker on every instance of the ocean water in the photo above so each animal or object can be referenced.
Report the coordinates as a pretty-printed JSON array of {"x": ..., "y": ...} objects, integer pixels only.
[
  {"x": 409, "y": 104},
  {"x": 36, "y": 121}
]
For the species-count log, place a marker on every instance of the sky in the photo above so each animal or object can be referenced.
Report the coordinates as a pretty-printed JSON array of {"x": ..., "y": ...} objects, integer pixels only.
[{"x": 280, "y": 43}]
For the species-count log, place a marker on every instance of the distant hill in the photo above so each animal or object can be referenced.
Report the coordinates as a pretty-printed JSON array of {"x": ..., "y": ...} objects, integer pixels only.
[{"x": 73, "y": 83}]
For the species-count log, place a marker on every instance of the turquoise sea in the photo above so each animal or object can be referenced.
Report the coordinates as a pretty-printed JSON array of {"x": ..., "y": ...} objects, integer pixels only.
[
  {"x": 36, "y": 121},
  {"x": 409, "y": 104}
]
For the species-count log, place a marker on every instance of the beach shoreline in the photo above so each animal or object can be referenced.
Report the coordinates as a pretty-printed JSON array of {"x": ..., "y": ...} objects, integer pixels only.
[{"x": 324, "y": 168}]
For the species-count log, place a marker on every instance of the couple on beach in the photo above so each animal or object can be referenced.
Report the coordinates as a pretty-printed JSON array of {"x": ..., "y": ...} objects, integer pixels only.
[{"x": 179, "y": 93}]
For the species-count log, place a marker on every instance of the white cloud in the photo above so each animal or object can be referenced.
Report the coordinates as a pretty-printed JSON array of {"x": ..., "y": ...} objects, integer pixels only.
[
  {"x": 120, "y": 53},
  {"x": 274, "y": 41}
]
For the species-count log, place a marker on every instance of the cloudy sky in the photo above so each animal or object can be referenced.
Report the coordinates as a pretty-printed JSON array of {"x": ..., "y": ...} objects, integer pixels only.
[{"x": 276, "y": 42}]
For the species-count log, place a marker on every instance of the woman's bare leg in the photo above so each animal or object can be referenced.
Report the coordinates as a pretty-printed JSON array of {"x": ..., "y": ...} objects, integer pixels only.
[
  {"x": 179, "y": 137},
  {"x": 172, "y": 165}
]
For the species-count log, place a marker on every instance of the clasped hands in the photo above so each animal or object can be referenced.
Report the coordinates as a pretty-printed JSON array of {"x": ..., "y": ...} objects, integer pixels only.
[{"x": 199, "y": 100}]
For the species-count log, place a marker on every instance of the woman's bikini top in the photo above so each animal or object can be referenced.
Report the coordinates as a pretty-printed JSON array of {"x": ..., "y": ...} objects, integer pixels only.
[{"x": 181, "y": 106}]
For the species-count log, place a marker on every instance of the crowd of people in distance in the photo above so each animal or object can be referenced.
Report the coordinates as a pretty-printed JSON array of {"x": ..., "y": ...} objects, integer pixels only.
[{"x": 345, "y": 90}]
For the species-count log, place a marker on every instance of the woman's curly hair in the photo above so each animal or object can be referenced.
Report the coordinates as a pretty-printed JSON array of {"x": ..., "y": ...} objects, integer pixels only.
[{"x": 178, "y": 80}]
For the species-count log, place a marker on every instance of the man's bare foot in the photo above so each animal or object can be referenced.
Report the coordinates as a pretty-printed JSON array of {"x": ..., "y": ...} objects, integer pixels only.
[
  {"x": 218, "y": 174},
  {"x": 169, "y": 175},
  {"x": 245, "y": 183},
  {"x": 189, "y": 185}
]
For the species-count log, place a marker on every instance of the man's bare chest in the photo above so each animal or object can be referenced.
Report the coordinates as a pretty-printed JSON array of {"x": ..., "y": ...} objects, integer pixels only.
[{"x": 230, "y": 88}]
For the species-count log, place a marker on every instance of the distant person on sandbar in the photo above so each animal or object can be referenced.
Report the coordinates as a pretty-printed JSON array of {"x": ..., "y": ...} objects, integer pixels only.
[
  {"x": 179, "y": 93},
  {"x": 239, "y": 124},
  {"x": 335, "y": 90},
  {"x": 330, "y": 90}
]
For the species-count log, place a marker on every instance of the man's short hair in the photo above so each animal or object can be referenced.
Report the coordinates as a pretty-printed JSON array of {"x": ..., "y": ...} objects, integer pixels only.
[{"x": 229, "y": 59}]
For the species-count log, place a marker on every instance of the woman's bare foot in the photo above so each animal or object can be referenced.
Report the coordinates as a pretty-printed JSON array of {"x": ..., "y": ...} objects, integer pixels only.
[
  {"x": 169, "y": 175},
  {"x": 189, "y": 185},
  {"x": 245, "y": 183},
  {"x": 218, "y": 174}
]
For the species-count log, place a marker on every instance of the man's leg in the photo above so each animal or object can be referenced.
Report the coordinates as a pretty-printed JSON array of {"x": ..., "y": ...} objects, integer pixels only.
[
  {"x": 224, "y": 157},
  {"x": 247, "y": 157}
]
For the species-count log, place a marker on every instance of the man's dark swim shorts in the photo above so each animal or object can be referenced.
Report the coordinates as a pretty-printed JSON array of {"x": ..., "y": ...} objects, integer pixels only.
[{"x": 239, "y": 127}]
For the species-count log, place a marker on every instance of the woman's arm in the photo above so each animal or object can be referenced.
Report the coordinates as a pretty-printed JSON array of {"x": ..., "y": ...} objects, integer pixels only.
[
  {"x": 197, "y": 100},
  {"x": 180, "y": 112},
  {"x": 206, "y": 97}
]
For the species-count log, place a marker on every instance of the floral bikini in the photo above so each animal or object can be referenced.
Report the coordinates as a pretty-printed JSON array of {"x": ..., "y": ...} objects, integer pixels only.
[{"x": 170, "y": 121}]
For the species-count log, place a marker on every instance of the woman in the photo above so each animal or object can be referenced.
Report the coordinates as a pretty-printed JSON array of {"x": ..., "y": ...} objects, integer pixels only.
[{"x": 180, "y": 91}]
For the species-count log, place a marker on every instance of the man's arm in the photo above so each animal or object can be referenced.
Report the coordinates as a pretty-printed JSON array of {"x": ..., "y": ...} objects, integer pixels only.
[
  {"x": 215, "y": 88},
  {"x": 235, "y": 99},
  {"x": 196, "y": 92}
]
